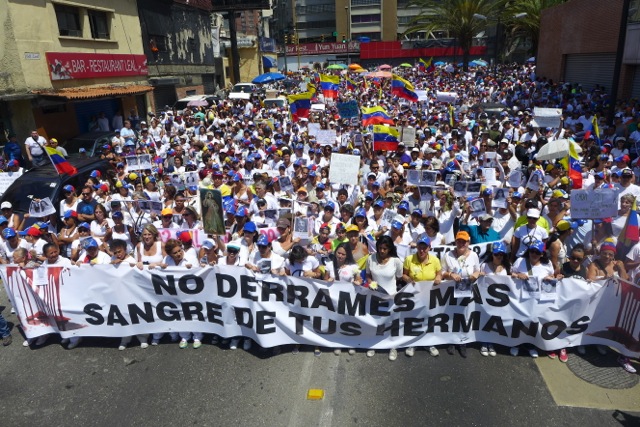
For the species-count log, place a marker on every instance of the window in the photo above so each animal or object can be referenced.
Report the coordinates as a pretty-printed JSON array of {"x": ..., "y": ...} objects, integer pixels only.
[
  {"x": 99, "y": 23},
  {"x": 158, "y": 43},
  {"x": 68, "y": 20}
]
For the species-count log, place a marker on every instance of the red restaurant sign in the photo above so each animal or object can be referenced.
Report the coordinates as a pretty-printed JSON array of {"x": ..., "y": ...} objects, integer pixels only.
[{"x": 65, "y": 66}]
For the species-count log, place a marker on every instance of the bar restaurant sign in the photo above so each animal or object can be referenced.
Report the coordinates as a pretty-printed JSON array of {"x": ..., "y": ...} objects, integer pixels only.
[
  {"x": 321, "y": 48},
  {"x": 71, "y": 65}
]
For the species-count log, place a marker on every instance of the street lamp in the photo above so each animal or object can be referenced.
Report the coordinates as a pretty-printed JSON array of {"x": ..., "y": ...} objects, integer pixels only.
[{"x": 346, "y": 10}]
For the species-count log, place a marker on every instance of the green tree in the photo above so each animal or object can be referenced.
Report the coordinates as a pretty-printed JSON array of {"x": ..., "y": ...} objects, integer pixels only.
[
  {"x": 521, "y": 19},
  {"x": 457, "y": 17}
]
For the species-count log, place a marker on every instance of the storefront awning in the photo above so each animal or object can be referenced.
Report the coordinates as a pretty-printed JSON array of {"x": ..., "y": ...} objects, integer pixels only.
[
  {"x": 268, "y": 62},
  {"x": 88, "y": 92}
]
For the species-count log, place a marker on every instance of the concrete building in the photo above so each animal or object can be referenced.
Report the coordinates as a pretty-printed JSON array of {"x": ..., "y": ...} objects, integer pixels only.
[
  {"x": 575, "y": 48},
  {"x": 178, "y": 44},
  {"x": 65, "y": 62}
]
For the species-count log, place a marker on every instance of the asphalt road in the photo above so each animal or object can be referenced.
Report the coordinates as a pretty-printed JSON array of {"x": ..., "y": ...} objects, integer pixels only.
[{"x": 97, "y": 385}]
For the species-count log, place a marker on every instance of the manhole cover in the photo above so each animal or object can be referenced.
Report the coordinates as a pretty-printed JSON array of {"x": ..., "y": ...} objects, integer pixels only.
[{"x": 603, "y": 371}]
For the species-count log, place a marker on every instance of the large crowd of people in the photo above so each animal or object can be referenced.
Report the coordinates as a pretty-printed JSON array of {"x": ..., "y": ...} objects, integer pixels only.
[{"x": 379, "y": 233}]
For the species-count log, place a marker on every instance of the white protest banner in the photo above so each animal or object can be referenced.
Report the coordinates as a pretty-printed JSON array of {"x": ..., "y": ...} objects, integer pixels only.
[
  {"x": 326, "y": 137},
  {"x": 6, "y": 179},
  {"x": 547, "y": 117},
  {"x": 313, "y": 129},
  {"x": 344, "y": 169},
  {"x": 133, "y": 163},
  {"x": 422, "y": 95},
  {"x": 110, "y": 301},
  {"x": 317, "y": 107},
  {"x": 197, "y": 235},
  {"x": 446, "y": 97},
  {"x": 594, "y": 204},
  {"x": 39, "y": 208}
]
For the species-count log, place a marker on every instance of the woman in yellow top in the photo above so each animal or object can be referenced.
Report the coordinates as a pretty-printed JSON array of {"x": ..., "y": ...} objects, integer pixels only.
[{"x": 419, "y": 267}]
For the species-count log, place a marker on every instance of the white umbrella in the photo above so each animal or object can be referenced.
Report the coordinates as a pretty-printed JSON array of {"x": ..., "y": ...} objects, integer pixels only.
[{"x": 556, "y": 150}]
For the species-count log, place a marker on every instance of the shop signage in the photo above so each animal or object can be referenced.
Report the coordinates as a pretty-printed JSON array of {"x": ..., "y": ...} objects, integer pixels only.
[
  {"x": 66, "y": 66},
  {"x": 267, "y": 44},
  {"x": 322, "y": 48}
]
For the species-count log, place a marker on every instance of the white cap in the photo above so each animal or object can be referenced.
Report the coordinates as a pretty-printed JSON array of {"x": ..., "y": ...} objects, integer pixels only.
[
  {"x": 208, "y": 244},
  {"x": 6, "y": 205},
  {"x": 533, "y": 213}
]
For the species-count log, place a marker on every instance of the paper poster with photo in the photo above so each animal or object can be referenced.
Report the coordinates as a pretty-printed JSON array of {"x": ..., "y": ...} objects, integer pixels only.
[
  {"x": 514, "y": 163},
  {"x": 408, "y": 136},
  {"x": 499, "y": 198},
  {"x": 133, "y": 163},
  {"x": 466, "y": 167},
  {"x": 460, "y": 188},
  {"x": 344, "y": 169},
  {"x": 428, "y": 178},
  {"x": 144, "y": 205},
  {"x": 535, "y": 181},
  {"x": 284, "y": 213},
  {"x": 357, "y": 139},
  {"x": 353, "y": 197},
  {"x": 413, "y": 177},
  {"x": 191, "y": 179},
  {"x": 271, "y": 214},
  {"x": 177, "y": 182},
  {"x": 548, "y": 290},
  {"x": 463, "y": 288},
  {"x": 388, "y": 216},
  {"x": 301, "y": 228},
  {"x": 515, "y": 178},
  {"x": 446, "y": 97},
  {"x": 39, "y": 208},
  {"x": 489, "y": 176},
  {"x": 473, "y": 189},
  {"x": 426, "y": 192},
  {"x": 490, "y": 159},
  {"x": 530, "y": 287},
  {"x": 547, "y": 117},
  {"x": 212, "y": 215},
  {"x": 313, "y": 128},
  {"x": 145, "y": 161},
  {"x": 477, "y": 207},
  {"x": 156, "y": 208},
  {"x": 285, "y": 184},
  {"x": 451, "y": 179}
]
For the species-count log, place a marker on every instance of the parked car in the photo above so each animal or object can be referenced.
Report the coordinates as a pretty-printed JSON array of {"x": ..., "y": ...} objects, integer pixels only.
[
  {"x": 92, "y": 142},
  {"x": 44, "y": 181},
  {"x": 244, "y": 91},
  {"x": 195, "y": 100},
  {"x": 280, "y": 102}
]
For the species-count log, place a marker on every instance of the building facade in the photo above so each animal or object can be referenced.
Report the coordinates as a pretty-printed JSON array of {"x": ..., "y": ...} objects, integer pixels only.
[{"x": 64, "y": 63}]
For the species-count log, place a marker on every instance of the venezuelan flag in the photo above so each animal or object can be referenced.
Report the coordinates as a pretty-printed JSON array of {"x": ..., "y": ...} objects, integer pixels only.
[
  {"x": 425, "y": 65},
  {"x": 385, "y": 138},
  {"x": 630, "y": 233},
  {"x": 375, "y": 116},
  {"x": 572, "y": 165},
  {"x": 330, "y": 85},
  {"x": 59, "y": 162},
  {"x": 403, "y": 89},
  {"x": 596, "y": 128},
  {"x": 300, "y": 105},
  {"x": 351, "y": 85}
]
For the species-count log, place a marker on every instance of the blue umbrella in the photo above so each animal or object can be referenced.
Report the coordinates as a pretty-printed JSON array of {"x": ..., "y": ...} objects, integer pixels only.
[
  {"x": 481, "y": 62},
  {"x": 439, "y": 63},
  {"x": 268, "y": 78}
]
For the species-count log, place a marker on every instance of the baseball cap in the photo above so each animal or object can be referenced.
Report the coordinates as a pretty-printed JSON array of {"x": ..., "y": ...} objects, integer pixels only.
[
  {"x": 262, "y": 240},
  {"x": 70, "y": 214},
  {"x": 3, "y": 219},
  {"x": 330, "y": 205},
  {"x": 417, "y": 212},
  {"x": 425, "y": 240},
  {"x": 95, "y": 174},
  {"x": 403, "y": 205},
  {"x": 250, "y": 227},
  {"x": 499, "y": 247},
  {"x": 241, "y": 211},
  {"x": 90, "y": 243},
  {"x": 208, "y": 244},
  {"x": 462, "y": 235},
  {"x": 166, "y": 211},
  {"x": 361, "y": 212},
  {"x": 69, "y": 188},
  {"x": 84, "y": 225},
  {"x": 283, "y": 223},
  {"x": 396, "y": 224},
  {"x": 379, "y": 204},
  {"x": 537, "y": 244},
  {"x": 184, "y": 236},
  {"x": 486, "y": 217},
  {"x": 533, "y": 213},
  {"x": 117, "y": 214},
  {"x": 563, "y": 225},
  {"x": 352, "y": 227},
  {"x": 6, "y": 205},
  {"x": 8, "y": 233}
]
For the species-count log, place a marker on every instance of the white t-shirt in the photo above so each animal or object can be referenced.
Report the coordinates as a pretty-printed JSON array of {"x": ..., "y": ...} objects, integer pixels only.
[
  {"x": 346, "y": 273},
  {"x": 465, "y": 267},
  {"x": 385, "y": 274},
  {"x": 277, "y": 262},
  {"x": 540, "y": 270},
  {"x": 310, "y": 263},
  {"x": 526, "y": 235}
]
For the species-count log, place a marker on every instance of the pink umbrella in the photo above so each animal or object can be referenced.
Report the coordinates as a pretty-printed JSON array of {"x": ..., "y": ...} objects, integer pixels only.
[
  {"x": 384, "y": 67},
  {"x": 380, "y": 74}
]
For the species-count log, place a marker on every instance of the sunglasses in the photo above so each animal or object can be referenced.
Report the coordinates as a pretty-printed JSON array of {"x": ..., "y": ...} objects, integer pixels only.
[
  {"x": 576, "y": 259},
  {"x": 86, "y": 194},
  {"x": 535, "y": 252},
  {"x": 232, "y": 251},
  {"x": 498, "y": 253}
]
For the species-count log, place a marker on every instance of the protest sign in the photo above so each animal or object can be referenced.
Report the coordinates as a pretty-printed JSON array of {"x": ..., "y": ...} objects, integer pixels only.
[
  {"x": 547, "y": 117},
  {"x": 408, "y": 135},
  {"x": 326, "y": 137},
  {"x": 317, "y": 107},
  {"x": 446, "y": 97},
  {"x": 6, "y": 179},
  {"x": 313, "y": 128},
  {"x": 110, "y": 301},
  {"x": 422, "y": 95},
  {"x": 594, "y": 204},
  {"x": 344, "y": 169},
  {"x": 39, "y": 208},
  {"x": 413, "y": 177},
  {"x": 212, "y": 214},
  {"x": 348, "y": 109}
]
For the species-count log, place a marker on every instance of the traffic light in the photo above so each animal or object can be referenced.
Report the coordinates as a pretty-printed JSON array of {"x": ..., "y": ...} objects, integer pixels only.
[
  {"x": 286, "y": 39},
  {"x": 294, "y": 39},
  {"x": 344, "y": 38}
]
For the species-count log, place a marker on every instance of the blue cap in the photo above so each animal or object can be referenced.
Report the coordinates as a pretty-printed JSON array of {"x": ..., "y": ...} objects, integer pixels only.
[
  {"x": 90, "y": 243},
  {"x": 474, "y": 150},
  {"x": 425, "y": 240},
  {"x": 297, "y": 163},
  {"x": 299, "y": 147},
  {"x": 120, "y": 165},
  {"x": 376, "y": 184},
  {"x": 379, "y": 204},
  {"x": 250, "y": 227},
  {"x": 262, "y": 240},
  {"x": 355, "y": 152},
  {"x": 517, "y": 194},
  {"x": 95, "y": 174},
  {"x": 84, "y": 225},
  {"x": 368, "y": 195},
  {"x": 8, "y": 233},
  {"x": 231, "y": 209},
  {"x": 320, "y": 186},
  {"x": 361, "y": 212},
  {"x": 417, "y": 212},
  {"x": 537, "y": 244},
  {"x": 396, "y": 224},
  {"x": 403, "y": 205},
  {"x": 312, "y": 173},
  {"x": 487, "y": 192},
  {"x": 117, "y": 214},
  {"x": 69, "y": 188},
  {"x": 3, "y": 219},
  {"x": 241, "y": 211},
  {"x": 330, "y": 205},
  {"x": 599, "y": 175},
  {"x": 499, "y": 247},
  {"x": 82, "y": 150}
]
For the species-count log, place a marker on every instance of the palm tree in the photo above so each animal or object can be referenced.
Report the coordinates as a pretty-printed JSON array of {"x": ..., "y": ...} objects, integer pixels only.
[
  {"x": 522, "y": 19},
  {"x": 458, "y": 17}
]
